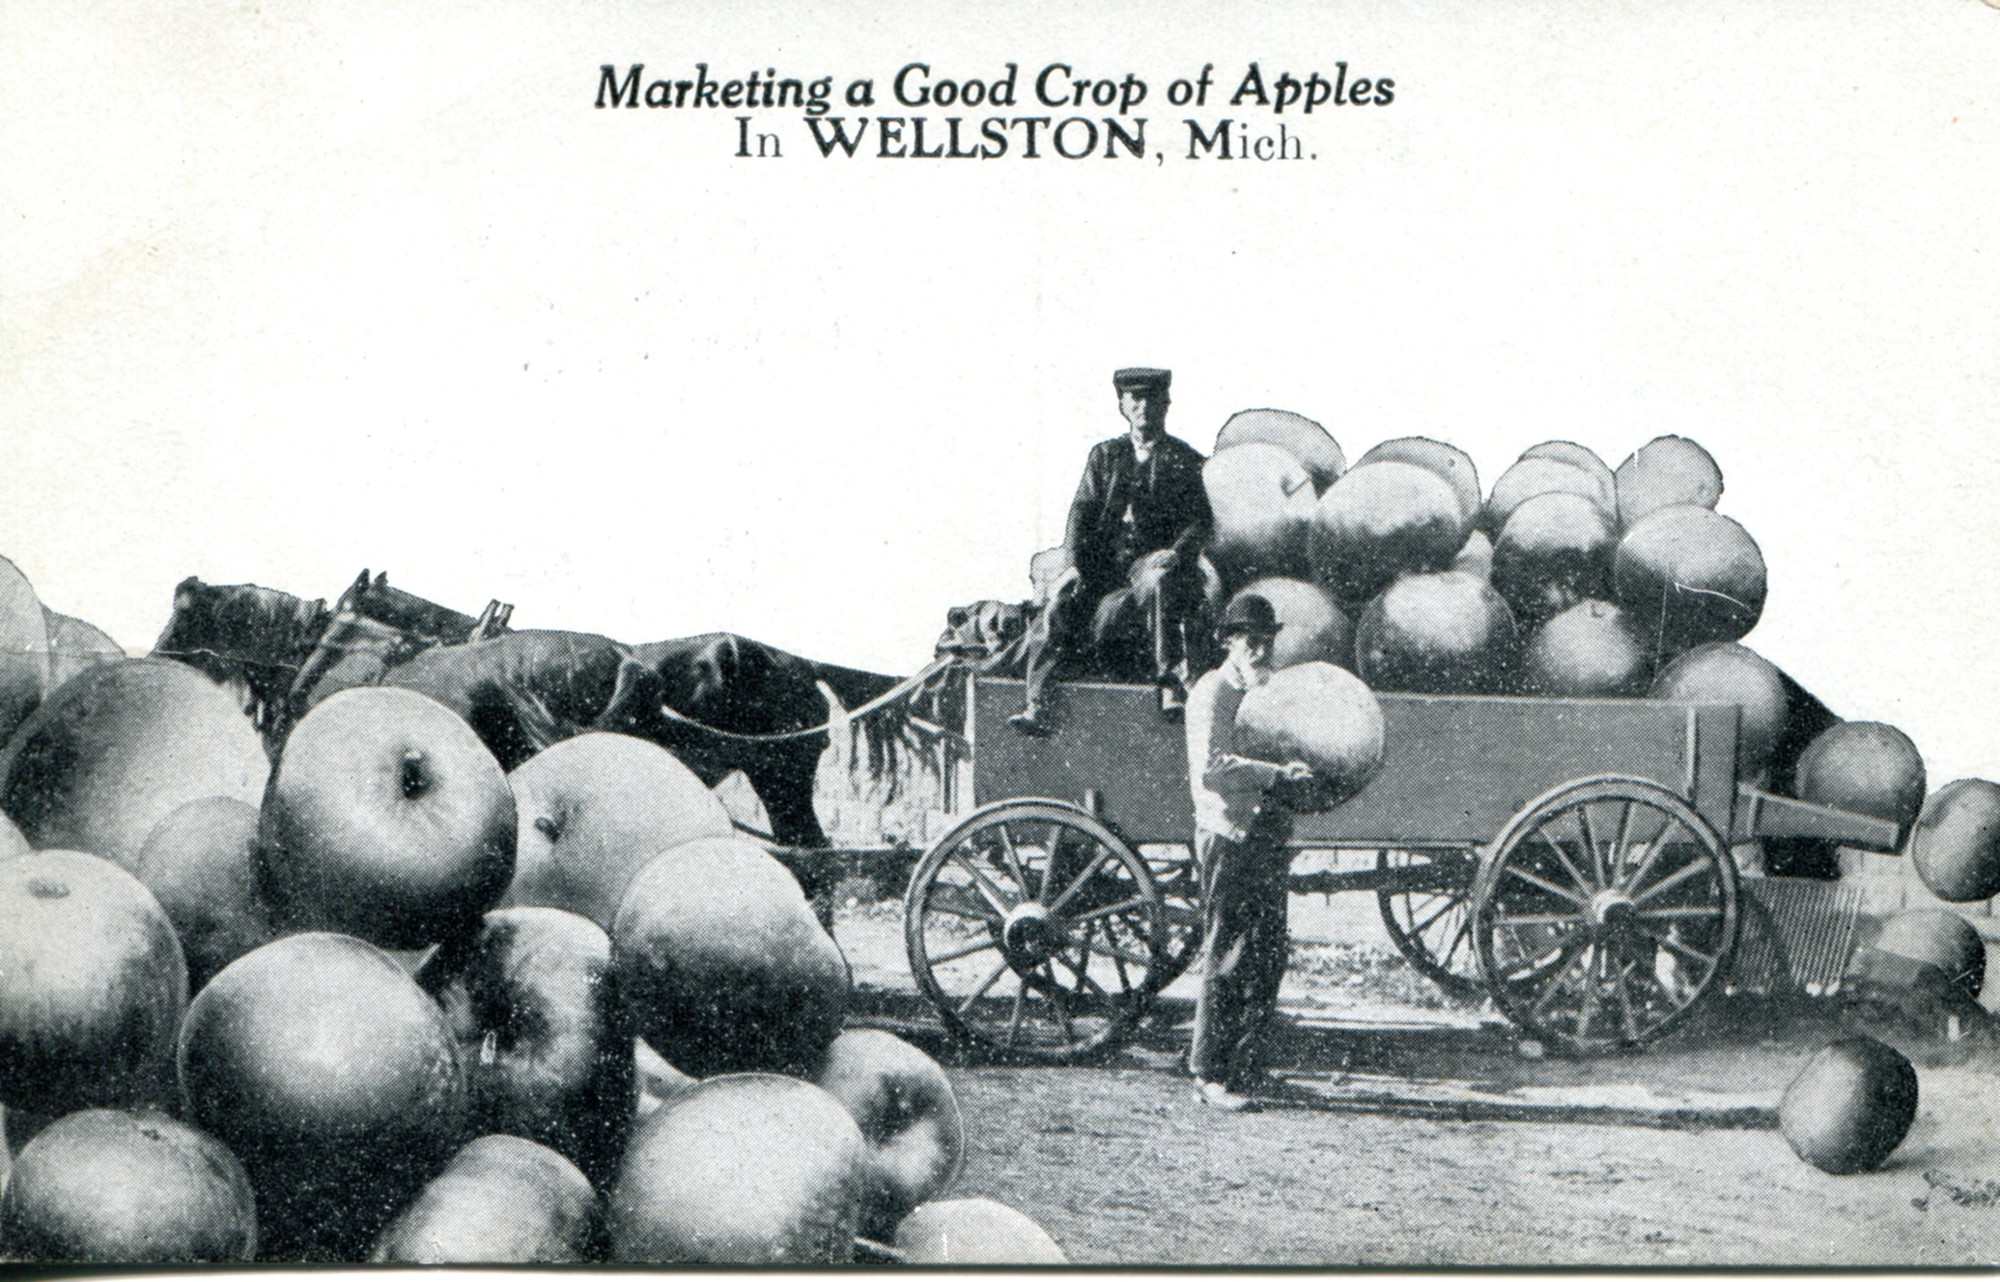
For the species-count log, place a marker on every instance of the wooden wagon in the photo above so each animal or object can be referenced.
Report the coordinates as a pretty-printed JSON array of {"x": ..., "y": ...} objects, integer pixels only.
[{"x": 1570, "y": 857}]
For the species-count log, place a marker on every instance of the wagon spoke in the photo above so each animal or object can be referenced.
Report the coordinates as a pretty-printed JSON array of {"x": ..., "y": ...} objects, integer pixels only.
[
  {"x": 1654, "y": 845},
  {"x": 1419, "y": 927},
  {"x": 964, "y": 907},
  {"x": 1118, "y": 962},
  {"x": 1082, "y": 879},
  {"x": 1107, "y": 950},
  {"x": 1082, "y": 973},
  {"x": 1124, "y": 977},
  {"x": 1676, "y": 946},
  {"x": 1463, "y": 933},
  {"x": 1561, "y": 976},
  {"x": 967, "y": 950},
  {"x": 992, "y": 978},
  {"x": 1693, "y": 869},
  {"x": 1547, "y": 885},
  {"x": 1622, "y": 845},
  {"x": 1056, "y": 830},
  {"x": 1568, "y": 867},
  {"x": 986, "y": 888},
  {"x": 1020, "y": 1009},
  {"x": 1013, "y": 855},
  {"x": 1583, "y": 829}
]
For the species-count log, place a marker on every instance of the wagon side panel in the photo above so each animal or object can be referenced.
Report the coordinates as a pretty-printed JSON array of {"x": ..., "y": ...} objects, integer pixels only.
[
  {"x": 1110, "y": 738},
  {"x": 1455, "y": 769}
]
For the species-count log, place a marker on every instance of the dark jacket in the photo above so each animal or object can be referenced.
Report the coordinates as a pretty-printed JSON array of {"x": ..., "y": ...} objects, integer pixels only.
[{"x": 1168, "y": 502}]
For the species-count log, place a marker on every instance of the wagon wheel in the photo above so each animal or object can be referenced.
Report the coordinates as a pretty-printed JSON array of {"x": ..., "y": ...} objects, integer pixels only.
[
  {"x": 1179, "y": 879},
  {"x": 1034, "y": 930},
  {"x": 1606, "y": 911},
  {"x": 1427, "y": 911}
]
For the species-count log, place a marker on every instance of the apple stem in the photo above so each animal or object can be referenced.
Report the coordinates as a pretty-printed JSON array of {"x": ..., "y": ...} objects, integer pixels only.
[{"x": 414, "y": 781}]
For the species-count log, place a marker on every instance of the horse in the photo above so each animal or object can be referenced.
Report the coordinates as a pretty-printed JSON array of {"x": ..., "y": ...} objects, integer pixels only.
[
  {"x": 719, "y": 702},
  {"x": 731, "y": 703}
]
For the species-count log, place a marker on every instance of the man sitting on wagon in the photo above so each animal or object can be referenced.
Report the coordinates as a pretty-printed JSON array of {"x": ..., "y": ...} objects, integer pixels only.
[{"x": 1132, "y": 543}]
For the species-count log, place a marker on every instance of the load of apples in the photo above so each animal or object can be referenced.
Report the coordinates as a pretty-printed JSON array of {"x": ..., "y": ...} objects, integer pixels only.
[
  {"x": 1567, "y": 578},
  {"x": 439, "y": 1013}
]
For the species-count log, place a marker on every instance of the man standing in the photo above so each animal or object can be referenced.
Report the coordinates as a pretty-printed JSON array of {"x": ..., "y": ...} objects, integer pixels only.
[
  {"x": 1134, "y": 536},
  {"x": 1240, "y": 834}
]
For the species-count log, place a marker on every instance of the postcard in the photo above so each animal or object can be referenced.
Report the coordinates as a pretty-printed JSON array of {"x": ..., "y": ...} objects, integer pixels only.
[{"x": 1122, "y": 635}]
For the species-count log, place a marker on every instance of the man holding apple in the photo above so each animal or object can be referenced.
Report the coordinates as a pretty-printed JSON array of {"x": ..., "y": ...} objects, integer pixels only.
[
  {"x": 1241, "y": 826},
  {"x": 1135, "y": 531}
]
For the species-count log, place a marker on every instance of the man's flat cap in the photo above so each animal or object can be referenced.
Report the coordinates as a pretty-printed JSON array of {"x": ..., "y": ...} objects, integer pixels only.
[{"x": 1142, "y": 380}]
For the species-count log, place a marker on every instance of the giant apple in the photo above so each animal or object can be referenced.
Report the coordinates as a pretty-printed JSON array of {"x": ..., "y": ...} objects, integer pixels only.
[
  {"x": 118, "y": 748},
  {"x": 334, "y": 1078},
  {"x": 547, "y": 1046},
  {"x": 1298, "y": 435},
  {"x": 1531, "y": 478},
  {"x": 1451, "y": 464},
  {"x": 24, "y": 648},
  {"x": 125, "y": 1187},
  {"x": 974, "y": 1230},
  {"x": 1554, "y": 551},
  {"x": 1725, "y": 672},
  {"x": 1262, "y": 501},
  {"x": 502, "y": 1200},
  {"x": 1382, "y": 520},
  {"x": 387, "y": 819},
  {"x": 75, "y": 645},
  {"x": 1586, "y": 458},
  {"x": 909, "y": 1116},
  {"x": 1686, "y": 576},
  {"x": 722, "y": 964},
  {"x": 1666, "y": 471},
  {"x": 11, "y": 841},
  {"x": 1850, "y": 1106},
  {"x": 750, "y": 1169},
  {"x": 92, "y": 985},
  {"x": 200, "y": 862},
  {"x": 593, "y": 810},
  {"x": 1447, "y": 633}
]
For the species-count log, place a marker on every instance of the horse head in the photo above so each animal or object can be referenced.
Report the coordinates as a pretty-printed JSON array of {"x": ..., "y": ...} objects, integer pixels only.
[{"x": 242, "y": 633}]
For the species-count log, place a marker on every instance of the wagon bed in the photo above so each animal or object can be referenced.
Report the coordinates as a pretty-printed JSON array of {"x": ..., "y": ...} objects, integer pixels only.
[{"x": 1569, "y": 858}]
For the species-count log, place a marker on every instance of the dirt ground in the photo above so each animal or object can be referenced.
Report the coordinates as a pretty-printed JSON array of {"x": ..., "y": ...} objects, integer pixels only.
[{"x": 1122, "y": 1166}]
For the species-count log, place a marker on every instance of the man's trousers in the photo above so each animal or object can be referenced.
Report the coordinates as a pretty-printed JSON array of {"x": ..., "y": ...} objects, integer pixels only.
[
  {"x": 1245, "y": 943},
  {"x": 1152, "y": 629}
]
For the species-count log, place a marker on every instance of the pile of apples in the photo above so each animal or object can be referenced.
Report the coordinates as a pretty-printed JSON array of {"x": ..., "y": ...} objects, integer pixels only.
[
  {"x": 379, "y": 1000},
  {"x": 1567, "y": 578}
]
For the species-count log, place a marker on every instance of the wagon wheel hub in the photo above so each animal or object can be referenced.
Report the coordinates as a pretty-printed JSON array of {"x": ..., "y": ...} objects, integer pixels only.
[
  {"x": 1031, "y": 936},
  {"x": 1611, "y": 910}
]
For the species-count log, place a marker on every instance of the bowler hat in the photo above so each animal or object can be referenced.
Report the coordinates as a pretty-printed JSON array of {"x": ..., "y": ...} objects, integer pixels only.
[
  {"x": 1249, "y": 613},
  {"x": 1138, "y": 379}
]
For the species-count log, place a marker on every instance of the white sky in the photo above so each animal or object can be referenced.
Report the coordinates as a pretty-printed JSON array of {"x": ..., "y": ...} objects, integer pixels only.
[{"x": 294, "y": 289}]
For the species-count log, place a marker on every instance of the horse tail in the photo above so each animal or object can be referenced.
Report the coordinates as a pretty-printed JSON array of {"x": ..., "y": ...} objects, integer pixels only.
[{"x": 888, "y": 733}]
